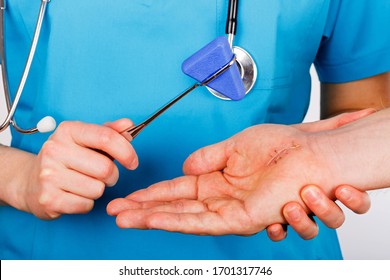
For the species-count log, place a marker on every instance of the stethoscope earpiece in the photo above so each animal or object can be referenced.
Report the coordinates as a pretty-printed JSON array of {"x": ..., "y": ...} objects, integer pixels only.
[{"x": 46, "y": 124}]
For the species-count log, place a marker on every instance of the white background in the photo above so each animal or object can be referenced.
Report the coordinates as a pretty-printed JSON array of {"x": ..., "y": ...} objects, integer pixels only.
[{"x": 362, "y": 236}]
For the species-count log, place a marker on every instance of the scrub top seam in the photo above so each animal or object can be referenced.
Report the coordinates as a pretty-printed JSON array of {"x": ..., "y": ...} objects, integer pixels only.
[
  {"x": 307, "y": 35},
  {"x": 348, "y": 62},
  {"x": 338, "y": 73}
]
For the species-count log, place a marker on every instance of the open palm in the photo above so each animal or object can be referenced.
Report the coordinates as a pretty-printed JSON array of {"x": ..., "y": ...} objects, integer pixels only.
[{"x": 238, "y": 186}]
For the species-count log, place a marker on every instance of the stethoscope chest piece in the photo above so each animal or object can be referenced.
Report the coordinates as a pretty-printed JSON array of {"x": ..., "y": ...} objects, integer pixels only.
[
  {"x": 248, "y": 71},
  {"x": 246, "y": 64}
]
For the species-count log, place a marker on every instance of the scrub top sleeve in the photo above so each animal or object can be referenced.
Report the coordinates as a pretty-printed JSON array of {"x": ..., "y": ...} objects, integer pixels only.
[{"x": 356, "y": 41}]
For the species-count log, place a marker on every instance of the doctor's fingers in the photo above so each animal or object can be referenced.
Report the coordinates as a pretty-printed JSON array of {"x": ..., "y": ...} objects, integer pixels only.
[
  {"x": 302, "y": 223},
  {"x": 356, "y": 200},
  {"x": 98, "y": 137},
  {"x": 57, "y": 202},
  {"x": 323, "y": 207},
  {"x": 121, "y": 125},
  {"x": 277, "y": 232},
  {"x": 55, "y": 156},
  {"x": 298, "y": 220},
  {"x": 72, "y": 182}
]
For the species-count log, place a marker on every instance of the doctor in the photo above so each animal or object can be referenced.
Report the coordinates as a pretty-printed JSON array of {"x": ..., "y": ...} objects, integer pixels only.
[{"x": 97, "y": 63}]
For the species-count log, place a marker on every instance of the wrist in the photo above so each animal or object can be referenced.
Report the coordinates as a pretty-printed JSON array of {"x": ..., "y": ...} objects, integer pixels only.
[
  {"x": 354, "y": 154},
  {"x": 14, "y": 178}
]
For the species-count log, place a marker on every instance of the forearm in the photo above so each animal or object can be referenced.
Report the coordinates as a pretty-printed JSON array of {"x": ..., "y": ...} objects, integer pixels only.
[
  {"x": 359, "y": 153},
  {"x": 14, "y": 164}
]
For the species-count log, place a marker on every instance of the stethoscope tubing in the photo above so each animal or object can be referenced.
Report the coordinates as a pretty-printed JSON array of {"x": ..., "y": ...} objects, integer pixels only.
[
  {"x": 10, "y": 120},
  {"x": 231, "y": 26}
]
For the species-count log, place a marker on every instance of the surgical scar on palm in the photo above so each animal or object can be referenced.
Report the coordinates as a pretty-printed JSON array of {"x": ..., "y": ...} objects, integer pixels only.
[{"x": 278, "y": 154}]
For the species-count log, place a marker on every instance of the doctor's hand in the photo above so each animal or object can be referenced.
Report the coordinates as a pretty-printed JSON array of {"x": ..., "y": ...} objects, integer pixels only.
[
  {"x": 70, "y": 172},
  {"x": 321, "y": 206},
  {"x": 238, "y": 186}
]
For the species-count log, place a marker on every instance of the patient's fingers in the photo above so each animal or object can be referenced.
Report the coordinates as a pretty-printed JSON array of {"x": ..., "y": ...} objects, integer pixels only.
[
  {"x": 119, "y": 205},
  {"x": 208, "y": 159},
  {"x": 185, "y": 187},
  {"x": 204, "y": 223}
]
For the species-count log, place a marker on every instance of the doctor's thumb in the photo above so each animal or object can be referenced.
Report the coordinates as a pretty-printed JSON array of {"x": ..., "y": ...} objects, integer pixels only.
[{"x": 120, "y": 126}]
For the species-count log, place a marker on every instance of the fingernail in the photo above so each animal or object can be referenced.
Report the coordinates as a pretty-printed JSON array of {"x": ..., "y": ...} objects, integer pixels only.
[
  {"x": 345, "y": 194},
  {"x": 311, "y": 195},
  {"x": 134, "y": 164},
  {"x": 275, "y": 233},
  {"x": 293, "y": 213}
]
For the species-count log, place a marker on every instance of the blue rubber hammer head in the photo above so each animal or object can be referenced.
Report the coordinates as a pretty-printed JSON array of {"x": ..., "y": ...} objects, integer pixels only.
[{"x": 211, "y": 58}]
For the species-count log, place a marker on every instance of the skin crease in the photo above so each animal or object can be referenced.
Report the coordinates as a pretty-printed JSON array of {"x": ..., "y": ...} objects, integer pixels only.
[{"x": 230, "y": 189}]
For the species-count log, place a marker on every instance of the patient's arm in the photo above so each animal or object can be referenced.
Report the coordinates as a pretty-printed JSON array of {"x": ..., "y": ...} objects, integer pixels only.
[{"x": 240, "y": 185}]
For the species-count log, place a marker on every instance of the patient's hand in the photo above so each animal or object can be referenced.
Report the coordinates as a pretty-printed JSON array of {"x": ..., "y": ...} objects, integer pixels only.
[{"x": 238, "y": 186}]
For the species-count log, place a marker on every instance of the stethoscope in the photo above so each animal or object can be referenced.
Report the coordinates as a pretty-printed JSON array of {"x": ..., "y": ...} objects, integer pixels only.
[
  {"x": 244, "y": 60},
  {"x": 241, "y": 58},
  {"x": 47, "y": 123}
]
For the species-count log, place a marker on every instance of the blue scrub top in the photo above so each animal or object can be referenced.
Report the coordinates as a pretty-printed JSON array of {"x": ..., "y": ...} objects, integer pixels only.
[{"x": 98, "y": 62}]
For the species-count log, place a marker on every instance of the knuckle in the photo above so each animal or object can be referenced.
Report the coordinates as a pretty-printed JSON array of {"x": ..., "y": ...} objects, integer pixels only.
[
  {"x": 105, "y": 137},
  {"x": 86, "y": 207},
  {"x": 203, "y": 156},
  {"x": 46, "y": 201},
  {"x": 311, "y": 233},
  {"x": 52, "y": 215},
  {"x": 362, "y": 205},
  {"x": 172, "y": 185},
  {"x": 63, "y": 127},
  {"x": 130, "y": 155},
  {"x": 66, "y": 129},
  {"x": 107, "y": 169},
  {"x": 46, "y": 179},
  {"x": 338, "y": 222},
  {"x": 326, "y": 210},
  {"x": 49, "y": 149},
  {"x": 99, "y": 190}
]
